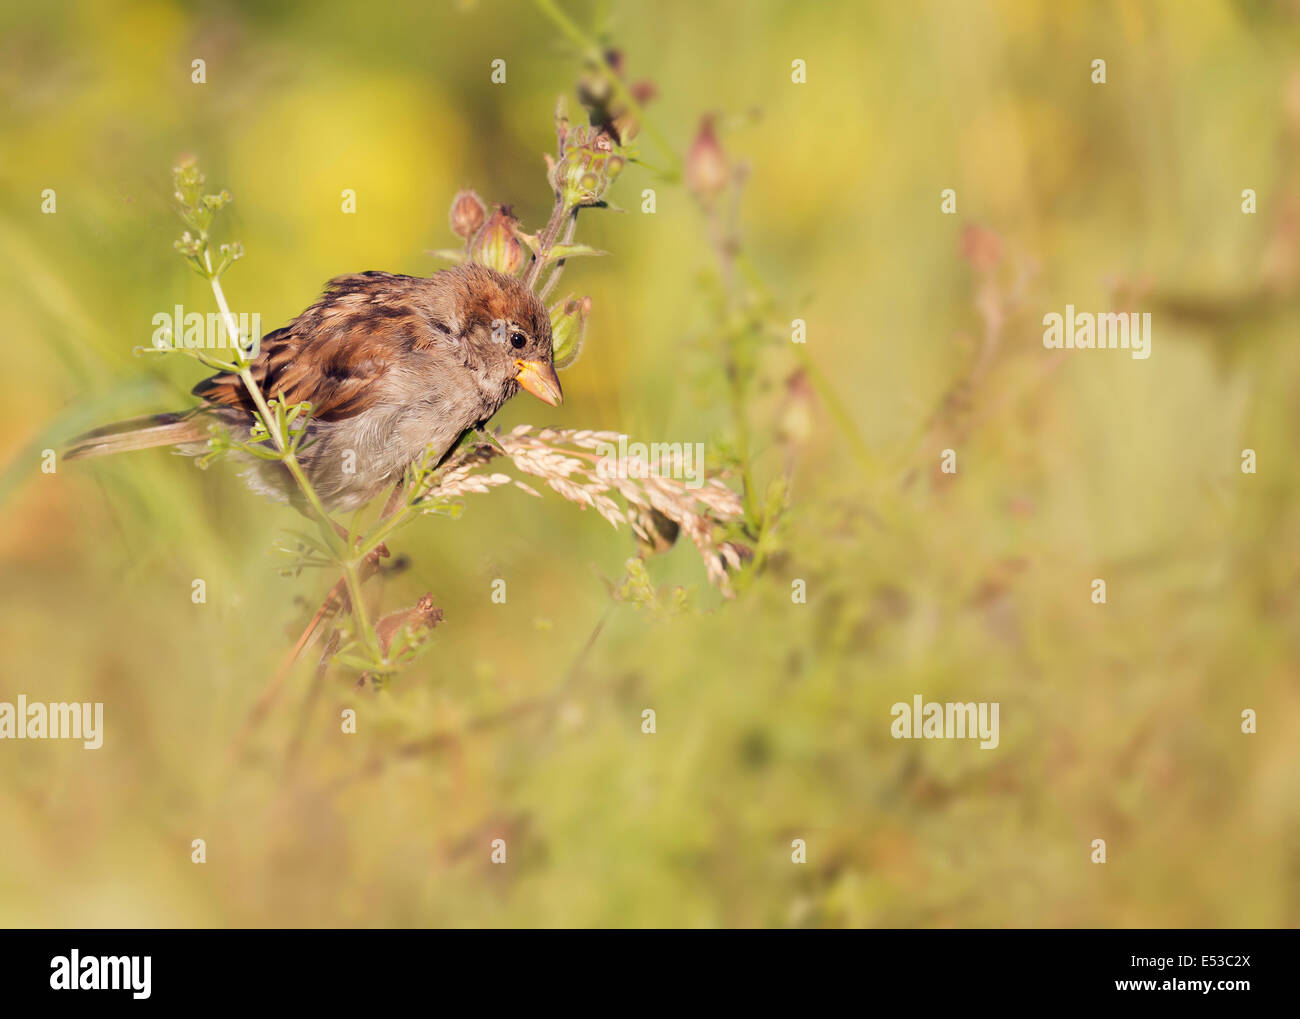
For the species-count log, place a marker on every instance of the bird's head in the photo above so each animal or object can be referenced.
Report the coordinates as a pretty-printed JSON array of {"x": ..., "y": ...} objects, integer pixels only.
[{"x": 510, "y": 331}]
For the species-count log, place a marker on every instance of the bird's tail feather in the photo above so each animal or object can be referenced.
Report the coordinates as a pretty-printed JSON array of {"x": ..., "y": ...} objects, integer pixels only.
[{"x": 138, "y": 433}]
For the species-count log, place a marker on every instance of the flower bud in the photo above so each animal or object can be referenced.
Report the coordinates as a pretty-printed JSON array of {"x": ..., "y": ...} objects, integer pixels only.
[
  {"x": 594, "y": 89},
  {"x": 186, "y": 173},
  {"x": 589, "y": 161},
  {"x": 706, "y": 164},
  {"x": 188, "y": 245},
  {"x": 561, "y": 122},
  {"x": 497, "y": 244},
  {"x": 467, "y": 214},
  {"x": 568, "y": 323},
  {"x": 606, "y": 98},
  {"x": 622, "y": 123},
  {"x": 643, "y": 92},
  {"x": 795, "y": 423},
  {"x": 625, "y": 127},
  {"x": 981, "y": 247}
]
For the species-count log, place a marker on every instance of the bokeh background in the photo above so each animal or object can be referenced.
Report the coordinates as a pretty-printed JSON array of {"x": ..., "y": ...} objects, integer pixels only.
[{"x": 1119, "y": 721}]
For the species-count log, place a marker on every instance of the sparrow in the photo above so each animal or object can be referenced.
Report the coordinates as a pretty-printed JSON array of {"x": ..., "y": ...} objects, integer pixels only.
[{"x": 391, "y": 365}]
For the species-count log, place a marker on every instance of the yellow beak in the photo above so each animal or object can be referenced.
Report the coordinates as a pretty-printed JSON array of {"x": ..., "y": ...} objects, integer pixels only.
[{"x": 540, "y": 380}]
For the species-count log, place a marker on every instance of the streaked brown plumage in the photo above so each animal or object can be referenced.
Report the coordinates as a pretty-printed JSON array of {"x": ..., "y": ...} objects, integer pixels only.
[{"x": 391, "y": 365}]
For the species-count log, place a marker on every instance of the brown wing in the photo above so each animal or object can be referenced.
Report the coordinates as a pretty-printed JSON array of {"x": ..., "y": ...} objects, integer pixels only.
[{"x": 333, "y": 354}]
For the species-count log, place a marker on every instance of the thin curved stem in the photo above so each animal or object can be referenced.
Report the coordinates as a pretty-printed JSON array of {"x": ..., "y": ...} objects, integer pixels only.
[{"x": 347, "y": 559}]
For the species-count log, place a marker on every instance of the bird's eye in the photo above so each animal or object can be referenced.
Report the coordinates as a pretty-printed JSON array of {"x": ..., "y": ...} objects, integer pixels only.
[{"x": 517, "y": 340}]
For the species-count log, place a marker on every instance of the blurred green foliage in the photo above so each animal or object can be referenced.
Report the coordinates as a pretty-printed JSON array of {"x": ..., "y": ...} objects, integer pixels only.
[{"x": 524, "y": 722}]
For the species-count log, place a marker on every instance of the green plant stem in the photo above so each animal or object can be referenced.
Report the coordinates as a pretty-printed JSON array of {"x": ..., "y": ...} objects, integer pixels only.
[
  {"x": 836, "y": 408},
  {"x": 590, "y": 49},
  {"x": 825, "y": 391},
  {"x": 554, "y": 278},
  {"x": 368, "y": 636},
  {"x": 726, "y": 254},
  {"x": 386, "y": 527},
  {"x": 346, "y": 560},
  {"x": 741, "y": 423},
  {"x": 547, "y": 238}
]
